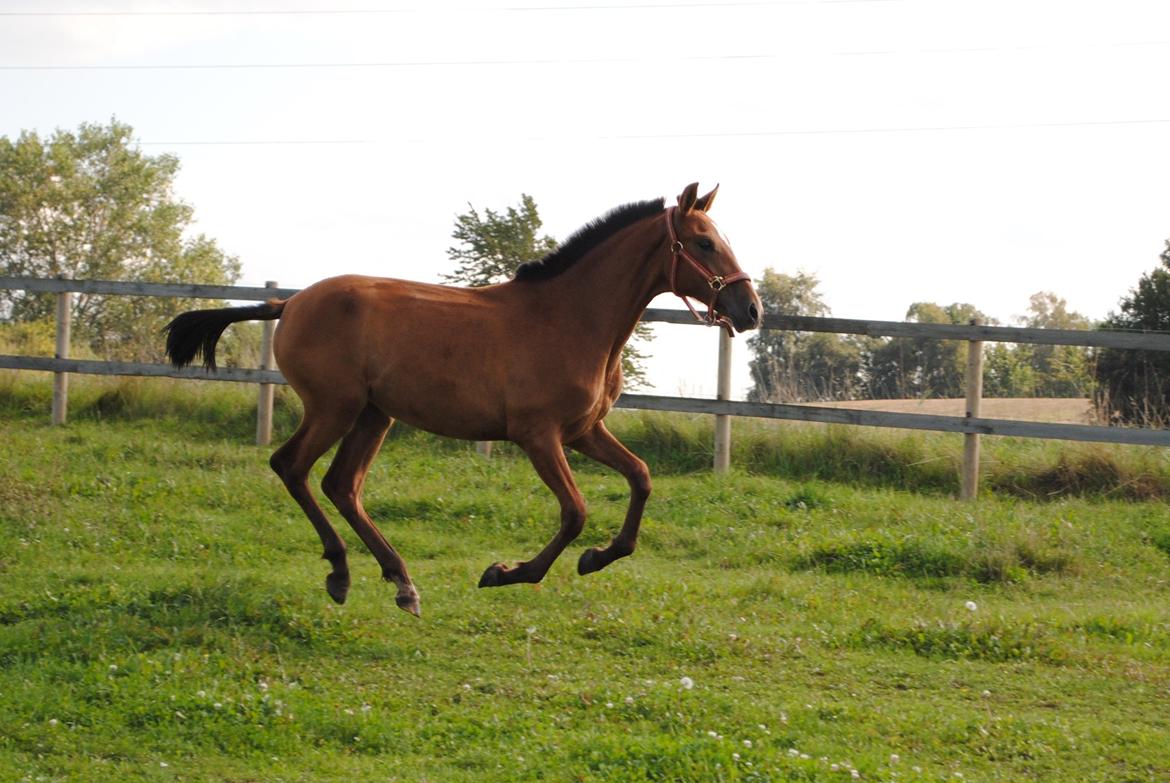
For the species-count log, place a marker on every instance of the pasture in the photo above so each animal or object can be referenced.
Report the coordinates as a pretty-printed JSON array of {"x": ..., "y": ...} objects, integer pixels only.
[{"x": 825, "y": 612}]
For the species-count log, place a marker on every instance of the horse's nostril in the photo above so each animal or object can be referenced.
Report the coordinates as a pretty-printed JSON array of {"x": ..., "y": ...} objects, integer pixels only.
[{"x": 754, "y": 313}]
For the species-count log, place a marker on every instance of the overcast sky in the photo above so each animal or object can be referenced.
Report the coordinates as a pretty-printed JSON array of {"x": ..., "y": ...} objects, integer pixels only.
[{"x": 901, "y": 150}]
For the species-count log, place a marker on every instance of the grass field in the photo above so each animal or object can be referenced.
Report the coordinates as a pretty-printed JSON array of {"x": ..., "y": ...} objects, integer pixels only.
[{"x": 824, "y": 613}]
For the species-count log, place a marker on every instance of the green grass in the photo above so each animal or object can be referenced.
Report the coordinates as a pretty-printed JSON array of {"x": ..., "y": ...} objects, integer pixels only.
[{"x": 163, "y": 617}]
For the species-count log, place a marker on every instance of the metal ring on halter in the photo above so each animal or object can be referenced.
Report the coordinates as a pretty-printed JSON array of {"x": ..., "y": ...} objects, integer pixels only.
[{"x": 716, "y": 283}]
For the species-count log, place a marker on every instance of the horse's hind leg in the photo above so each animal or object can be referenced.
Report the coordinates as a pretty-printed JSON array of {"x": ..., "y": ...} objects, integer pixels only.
[
  {"x": 601, "y": 445},
  {"x": 292, "y": 462},
  {"x": 343, "y": 485}
]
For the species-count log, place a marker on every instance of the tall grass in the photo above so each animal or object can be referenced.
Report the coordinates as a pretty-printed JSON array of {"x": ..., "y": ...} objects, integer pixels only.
[{"x": 673, "y": 443}]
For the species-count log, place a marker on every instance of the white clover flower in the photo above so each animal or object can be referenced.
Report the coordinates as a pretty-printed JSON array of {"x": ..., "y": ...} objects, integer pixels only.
[
  {"x": 747, "y": 743},
  {"x": 855, "y": 774},
  {"x": 895, "y": 758},
  {"x": 971, "y": 606},
  {"x": 52, "y": 721},
  {"x": 793, "y": 752},
  {"x": 735, "y": 756},
  {"x": 686, "y": 682},
  {"x": 629, "y": 700}
]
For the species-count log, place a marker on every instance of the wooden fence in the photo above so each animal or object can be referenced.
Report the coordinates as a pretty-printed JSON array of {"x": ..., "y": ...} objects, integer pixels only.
[{"x": 971, "y": 425}]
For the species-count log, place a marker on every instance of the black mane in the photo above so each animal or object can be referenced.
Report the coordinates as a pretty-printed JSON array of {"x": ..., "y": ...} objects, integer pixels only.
[{"x": 587, "y": 237}]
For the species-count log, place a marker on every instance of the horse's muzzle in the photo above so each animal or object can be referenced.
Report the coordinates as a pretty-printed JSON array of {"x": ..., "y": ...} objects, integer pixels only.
[{"x": 742, "y": 306}]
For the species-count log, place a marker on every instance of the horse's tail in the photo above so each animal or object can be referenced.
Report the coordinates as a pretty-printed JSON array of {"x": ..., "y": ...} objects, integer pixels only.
[{"x": 196, "y": 332}]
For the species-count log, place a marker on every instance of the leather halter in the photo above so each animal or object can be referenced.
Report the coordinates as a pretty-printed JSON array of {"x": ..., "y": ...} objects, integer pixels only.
[{"x": 716, "y": 282}]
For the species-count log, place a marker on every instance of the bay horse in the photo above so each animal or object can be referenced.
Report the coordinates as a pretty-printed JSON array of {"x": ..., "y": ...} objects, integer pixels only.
[{"x": 535, "y": 360}]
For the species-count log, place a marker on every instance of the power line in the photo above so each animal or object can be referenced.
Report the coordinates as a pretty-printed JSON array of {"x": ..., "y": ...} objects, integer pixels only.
[
  {"x": 541, "y": 61},
  {"x": 698, "y": 135},
  {"x": 386, "y": 64},
  {"x": 418, "y": 9}
]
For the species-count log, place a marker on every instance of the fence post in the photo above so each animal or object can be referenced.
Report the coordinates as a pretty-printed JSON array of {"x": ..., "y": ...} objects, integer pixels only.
[
  {"x": 969, "y": 485},
  {"x": 723, "y": 392},
  {"x": 483, "y": 448},
  {"x": 61, "y": 379},
  {"x": 267, "y": 390}
]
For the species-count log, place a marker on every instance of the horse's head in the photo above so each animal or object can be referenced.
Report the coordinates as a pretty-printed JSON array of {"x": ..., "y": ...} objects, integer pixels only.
[{"x": 703, "y": 266}]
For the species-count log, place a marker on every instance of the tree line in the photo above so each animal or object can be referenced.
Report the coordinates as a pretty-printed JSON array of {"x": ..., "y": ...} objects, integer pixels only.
[
  {"x": 806, "y": 367},
  {"x": 91, "y": 204}
]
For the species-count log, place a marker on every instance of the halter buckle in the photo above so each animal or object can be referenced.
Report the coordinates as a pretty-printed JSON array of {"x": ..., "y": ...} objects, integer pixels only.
[{"x": 716, "y": 283}]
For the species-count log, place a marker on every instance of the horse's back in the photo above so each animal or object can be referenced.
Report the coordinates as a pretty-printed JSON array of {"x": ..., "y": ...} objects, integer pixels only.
[{"x": 427, "y": 354}]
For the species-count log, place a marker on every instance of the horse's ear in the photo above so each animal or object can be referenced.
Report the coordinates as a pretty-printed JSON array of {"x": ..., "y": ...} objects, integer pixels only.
[
  {"x": 686, "y": 200},
  {"x": 704, "y": 203}
]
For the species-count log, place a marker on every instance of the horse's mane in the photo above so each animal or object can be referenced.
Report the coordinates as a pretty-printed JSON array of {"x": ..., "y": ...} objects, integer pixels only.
[{"x": 586, "y": 238}]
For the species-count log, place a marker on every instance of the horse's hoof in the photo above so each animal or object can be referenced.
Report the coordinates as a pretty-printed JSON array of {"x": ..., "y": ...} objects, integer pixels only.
[
  {"x": 493, "y": 576},
  {"x": 337, "y": 585},
  {"x": 408, "y": 602},
  {"x": 590, "y": 561}
]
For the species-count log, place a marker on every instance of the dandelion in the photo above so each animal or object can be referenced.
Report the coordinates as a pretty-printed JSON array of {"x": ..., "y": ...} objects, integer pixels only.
[
  {"x": 686, "y": 682},
  {"x": 971, "y": 606}
]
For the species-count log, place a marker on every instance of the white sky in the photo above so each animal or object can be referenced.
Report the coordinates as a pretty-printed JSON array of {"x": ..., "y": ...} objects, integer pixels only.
[{"x": 901, "y": 150}]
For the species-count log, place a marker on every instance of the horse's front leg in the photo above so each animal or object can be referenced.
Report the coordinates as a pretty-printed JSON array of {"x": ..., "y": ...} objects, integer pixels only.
[
  {"x": 601, "y": 445},
  {"x": 548, "y": 457}
]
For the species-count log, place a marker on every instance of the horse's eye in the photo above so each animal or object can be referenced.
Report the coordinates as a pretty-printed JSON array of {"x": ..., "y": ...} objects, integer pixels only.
[{"x": 705, "y": 244}]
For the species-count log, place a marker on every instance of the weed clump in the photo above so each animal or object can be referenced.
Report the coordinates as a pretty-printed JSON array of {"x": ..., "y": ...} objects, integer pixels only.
[{"x": 995, "y": 642}]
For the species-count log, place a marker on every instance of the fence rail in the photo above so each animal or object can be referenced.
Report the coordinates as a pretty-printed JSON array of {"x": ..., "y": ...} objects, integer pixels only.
[{"x": 972, "y": 426}]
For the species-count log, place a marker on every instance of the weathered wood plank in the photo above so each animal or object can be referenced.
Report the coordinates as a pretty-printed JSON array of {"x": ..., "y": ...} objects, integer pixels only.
[
  {"x": 135, "y": 288},
  {"x": 92, "y": 367},
  {"x": 909, "y": 421},
  {"x": 1150, "y": 341}
]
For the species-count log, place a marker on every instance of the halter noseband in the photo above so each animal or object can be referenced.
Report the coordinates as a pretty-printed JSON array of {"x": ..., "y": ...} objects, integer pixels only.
[{"x": 716, "y": 282}]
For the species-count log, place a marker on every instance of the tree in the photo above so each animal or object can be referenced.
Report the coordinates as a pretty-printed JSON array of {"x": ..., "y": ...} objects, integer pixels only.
[
  {"x": 493, "y": 245},
  {"x": 90, "y": 205},
  {"x": 915, "y": 367},
  {"x": 800, "y": 366},
  {"x": 1040, "y": 370},
  {"x": 1134, "y": 386}
]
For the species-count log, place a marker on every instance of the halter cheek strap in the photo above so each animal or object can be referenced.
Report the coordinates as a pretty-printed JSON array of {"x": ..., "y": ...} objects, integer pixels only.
[{"x": 716, "y": 282}]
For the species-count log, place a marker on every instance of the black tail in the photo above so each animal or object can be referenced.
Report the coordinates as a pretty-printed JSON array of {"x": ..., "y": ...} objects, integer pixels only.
[{"x": 196, "y": 332}]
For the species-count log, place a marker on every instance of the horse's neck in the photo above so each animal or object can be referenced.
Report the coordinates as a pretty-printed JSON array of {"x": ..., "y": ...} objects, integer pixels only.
[{"x": 605, "y": 293}]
